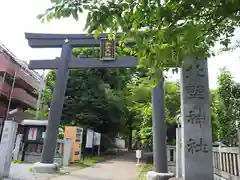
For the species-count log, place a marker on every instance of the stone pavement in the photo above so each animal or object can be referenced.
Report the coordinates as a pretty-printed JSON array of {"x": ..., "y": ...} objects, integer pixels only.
[{"x": 121, "y": 168}]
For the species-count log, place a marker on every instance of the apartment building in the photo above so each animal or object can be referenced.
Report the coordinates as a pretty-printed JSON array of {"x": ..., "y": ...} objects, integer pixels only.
[{"x": 17, "y": 83}]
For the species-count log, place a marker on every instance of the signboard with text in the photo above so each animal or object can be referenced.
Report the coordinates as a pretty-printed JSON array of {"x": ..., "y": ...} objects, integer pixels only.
[
  {"x": 97, "y": 139},
  {"x": 89, "y": 140},
  {"x": 32, "y": 134}
]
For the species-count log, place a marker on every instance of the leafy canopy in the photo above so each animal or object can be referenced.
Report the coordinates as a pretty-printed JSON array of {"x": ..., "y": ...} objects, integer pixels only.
[
  {"x": 227, "y": 105},
  {"x": 139, "y": 103},
  {"x": 165, "y": 31},
  {"x": 94, "y": 97}
]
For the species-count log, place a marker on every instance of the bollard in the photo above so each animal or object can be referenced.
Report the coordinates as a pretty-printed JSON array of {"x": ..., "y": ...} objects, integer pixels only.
[{"x": 138, "y": 156}]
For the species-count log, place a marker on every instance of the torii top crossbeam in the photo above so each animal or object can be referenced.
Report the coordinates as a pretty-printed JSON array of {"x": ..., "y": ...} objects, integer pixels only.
[{"x": 37, "y": 40}]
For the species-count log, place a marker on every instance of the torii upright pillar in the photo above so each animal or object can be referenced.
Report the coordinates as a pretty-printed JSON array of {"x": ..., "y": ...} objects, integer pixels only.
[
  {"x": 57, "y": 104},
  {"x": 46, "y": 164}
]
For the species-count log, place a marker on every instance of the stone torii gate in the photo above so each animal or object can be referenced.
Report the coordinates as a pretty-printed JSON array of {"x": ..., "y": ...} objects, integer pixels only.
[{"x": 107, "y": 60}]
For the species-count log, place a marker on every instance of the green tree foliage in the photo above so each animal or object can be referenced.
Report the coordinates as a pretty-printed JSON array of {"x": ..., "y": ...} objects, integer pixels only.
[
  {"x": 139, "y": 97},
  {"x": 94, "y": 97},
  {"x": 41, "y": 115},
  {"x": 214, "y": 115},
  {"x": 165, "y": 32},
  {"x": 139, "y": 105},
  {"x": 227, "y": 106},
  {"x": 172, "y": 101},
  {"x": 231, "y": 48}
]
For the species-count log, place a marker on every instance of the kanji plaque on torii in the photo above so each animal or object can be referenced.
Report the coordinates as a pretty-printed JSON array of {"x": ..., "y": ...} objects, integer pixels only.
[{"x": 107, "y": 49}]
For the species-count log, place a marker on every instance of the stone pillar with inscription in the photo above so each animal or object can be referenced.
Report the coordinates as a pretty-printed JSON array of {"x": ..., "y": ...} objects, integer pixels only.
[
  {"x": 197, "y": 160},
  {"x": 6, "y": 146}
]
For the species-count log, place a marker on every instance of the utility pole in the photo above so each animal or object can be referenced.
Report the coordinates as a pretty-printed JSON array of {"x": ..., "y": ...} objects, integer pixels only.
[{"x": 40, "y": 92}]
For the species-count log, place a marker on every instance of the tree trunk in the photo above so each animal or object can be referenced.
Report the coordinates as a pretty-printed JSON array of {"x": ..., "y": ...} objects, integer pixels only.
[{"x": 130, "y": 139}]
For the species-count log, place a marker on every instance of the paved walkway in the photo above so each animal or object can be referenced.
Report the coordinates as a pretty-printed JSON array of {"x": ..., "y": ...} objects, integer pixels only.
[{"x": 121, "y": 168}]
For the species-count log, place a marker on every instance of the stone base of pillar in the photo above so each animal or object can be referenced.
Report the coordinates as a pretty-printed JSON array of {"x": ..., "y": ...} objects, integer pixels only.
[
  {"x": 45, "y": 168},
  {"x": 151, "y": 175}
]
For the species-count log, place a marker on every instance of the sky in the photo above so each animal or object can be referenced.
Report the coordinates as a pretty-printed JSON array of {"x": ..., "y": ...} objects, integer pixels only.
[{"x": 20, "y": 17}]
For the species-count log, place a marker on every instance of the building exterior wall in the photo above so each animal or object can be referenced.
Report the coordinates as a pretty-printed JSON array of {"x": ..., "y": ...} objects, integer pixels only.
[{"x": 23, "y": 90}]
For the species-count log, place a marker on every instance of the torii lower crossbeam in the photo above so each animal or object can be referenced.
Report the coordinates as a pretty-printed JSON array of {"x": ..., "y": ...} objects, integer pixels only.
[{"x": 74, "y": 63}]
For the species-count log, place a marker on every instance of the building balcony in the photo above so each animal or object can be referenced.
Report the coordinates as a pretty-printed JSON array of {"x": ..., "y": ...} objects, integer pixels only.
[
  {"x": 23, "y": 96},
  {"x": 23, "y": 78},
  {"x": 18, "y": 94},
  {"x": 27, "y": 81},
  {"x": 5, "y": 89}
]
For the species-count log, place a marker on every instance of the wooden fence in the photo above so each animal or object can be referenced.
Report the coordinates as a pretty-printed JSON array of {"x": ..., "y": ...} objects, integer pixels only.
[
  {"x": 226, "y": 161},
  {"x": 171, "y": 155}
]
